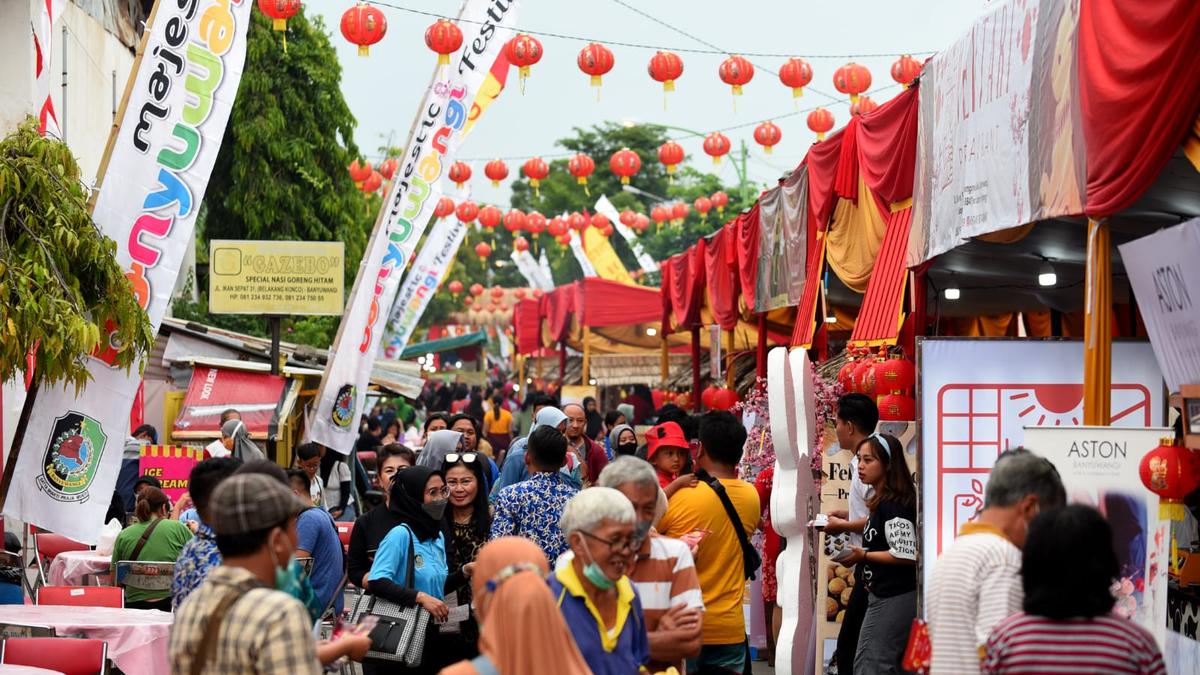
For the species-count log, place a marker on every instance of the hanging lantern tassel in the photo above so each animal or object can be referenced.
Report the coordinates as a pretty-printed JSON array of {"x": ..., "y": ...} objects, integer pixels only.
[{"x": 535, "y": 184}]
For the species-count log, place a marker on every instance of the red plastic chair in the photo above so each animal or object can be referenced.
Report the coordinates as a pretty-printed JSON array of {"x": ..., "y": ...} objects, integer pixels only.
[
  {"x": 81, "y": 596},
  {"x": 69, "y": 656},
  {"x": 344, "y": 530},
  {"x": 48, "y": 545}
]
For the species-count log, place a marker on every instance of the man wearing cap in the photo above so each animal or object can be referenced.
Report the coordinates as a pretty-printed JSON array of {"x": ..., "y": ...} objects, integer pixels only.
[{"x": 236, "y": 622}]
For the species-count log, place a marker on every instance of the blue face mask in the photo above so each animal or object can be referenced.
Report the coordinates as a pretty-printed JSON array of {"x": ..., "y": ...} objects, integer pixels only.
[
  {"x": 292, "y": 580},
  {"x": 594, "y": 574}
]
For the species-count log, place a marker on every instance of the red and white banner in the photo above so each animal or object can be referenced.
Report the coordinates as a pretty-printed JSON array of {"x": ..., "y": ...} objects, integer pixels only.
[
  {"x": 444, "y": 112},
  {"x": 164, "y": 151},
  {"x": 43, "y": 43}
]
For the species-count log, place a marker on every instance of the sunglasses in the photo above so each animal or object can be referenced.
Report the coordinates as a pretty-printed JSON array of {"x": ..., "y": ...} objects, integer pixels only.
[{"x": 467, "y": 457}]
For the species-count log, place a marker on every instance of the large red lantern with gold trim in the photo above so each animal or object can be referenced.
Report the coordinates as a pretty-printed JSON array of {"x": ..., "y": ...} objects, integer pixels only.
[
  {"x": 595, "y": 60},
  {"x": 483, "y": 251},
  {"x": 535, "y": 223},
  {"x": 445, "y": 207},
  {"x": 736, "y": 72},
  {"x": 444, "y": 38},
  {"x": 796, "y": 73},
  {"x": 897, "y": 408},
  {"x": 279, "y": 11},
  {"x": 359, "y": 172},
  {"x": 581, "y": 166},
  {"x": 905, "y": 70},
  {"x": 523, "y": 51},
  {"x": 716, "y": 145},
  {"x": 496, "y": 171},
  {"x": 557, "y": 227},
  {"x": 720, "y": 200},
  {"x": 1172, "y": 472},
  {"x": 536, "y": 170},
  {"x": 895, "y": 375},
  {"x": 821, "y": 122},
  {"x": 363, "y": 25},
  {"x": 514, "y": 221},
  {"x": 671, "y": 155},
  {"x": 665, "y": 67},
  {"x": 625, "y": 163},
  {"x": 467, "y": 212},
  {"x": 852, "y": 79},
  {"x": 767, "y": 135},
  {"x": 460, "y": 173},
  {"x": 490, "y": 217}
]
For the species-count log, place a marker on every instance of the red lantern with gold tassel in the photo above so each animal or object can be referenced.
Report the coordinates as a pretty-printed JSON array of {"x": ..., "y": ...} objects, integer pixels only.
[
  {"x": 905, "y": 70},
  {"x": 279, "y": 11},
  {"x": 595, "y": 60},
  {"x": 460, "y": 173},
  {"x": 445, "y": 207},
  {"x": 720, "y": 200},
  {"x": 444, "y": 38},
  {"x": 702, "y": 205},
  {"x": 665, "y": 67},
  {"x": 557, "y": 227},
  {"x": 852, "y": 79},
  {"x": 467, "y": 212},
  {"x": 535, "y": 224},
  {"x": 897, "y": 408},
  {"x": 863, "y": 105},
  {"x": 625, "y": 163},
  {"x": 388, "y": 168},
  {"x": 523, "y": 51},
  {"x": 895, "y": 375},
  {"x": 455, "y": 287},
  {"x": 821, "y": 122},
  {"x": 736, "y": 72},
  {"x": 767, "y": 135},
  {"x": 716, "y": 145},
  {"x": 1172, "y": 472},
  {"x": 363, "y": 25},
  {"x": 514, "y": 221},
  {"x": 660, "y": 215},
  {"x": 360, "y": 172},
  {"x": 796, "y": 73},
  {"x": 679, "y": 212},
  {"x": 536, "y": 170},
  {"x": 490, "y": 217},
  {"x": 483, "y": 251},
  {"x": 520, "y": 244},
  {"x": 581, "y": 166},
  {"x": 671, "y": 155},
  {"x": 496, "y": 171}
]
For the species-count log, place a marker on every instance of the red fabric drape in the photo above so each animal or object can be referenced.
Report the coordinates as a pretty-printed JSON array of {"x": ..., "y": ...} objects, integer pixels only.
[
  {"x": 1138, "y": 70},
  {"x": 887, "y": 146},
  {"x": 720, "y": 271},
  {"x": 845, "y": 181},
  {"x": 822, "y": 161},
  {"x": 557, "y": 307},
  {"x": 879, "y": 316},
  {"x": 666, "y": 282},
  {"x": 527, "y": 326},
  {"x": 603, "y": 302},
  {"x": 686, "y": 285},
  {"x": 747, "y": 253}
]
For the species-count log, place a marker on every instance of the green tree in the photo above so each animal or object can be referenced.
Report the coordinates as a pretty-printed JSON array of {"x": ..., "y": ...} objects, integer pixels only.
[
  {"x": 281, "y": 170},
  {"x": 60, "y": 283}
]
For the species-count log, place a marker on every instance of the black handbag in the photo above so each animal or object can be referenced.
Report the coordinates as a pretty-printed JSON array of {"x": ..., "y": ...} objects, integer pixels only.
[
  {"x": 751, "y": 561},
  {"x": 399, "y": 636}
]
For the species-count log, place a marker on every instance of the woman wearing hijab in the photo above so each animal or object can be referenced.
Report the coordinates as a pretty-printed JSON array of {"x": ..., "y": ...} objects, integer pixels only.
[
  {"x": 437, "y": 445},
  {"x": 623, "y": 440},
  {"x": 418, "y": 498},
  {"x": 468, "y": 522},
  {"x": 595, "y": 423},
  {"x": 236, "y": 439},
  {"x": 510, "y": 597}
]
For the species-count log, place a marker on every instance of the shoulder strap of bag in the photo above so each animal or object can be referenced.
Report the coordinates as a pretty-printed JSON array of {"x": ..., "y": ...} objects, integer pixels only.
[
  {"x": 408, "y": 577},
  {"x": 212, "y": 630},
  {"x": 718, "y": 488},
  {"x": 137, "y": 550}
]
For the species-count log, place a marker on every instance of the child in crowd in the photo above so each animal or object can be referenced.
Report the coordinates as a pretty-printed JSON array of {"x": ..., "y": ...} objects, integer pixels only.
[{"x": 666, "y": 450}]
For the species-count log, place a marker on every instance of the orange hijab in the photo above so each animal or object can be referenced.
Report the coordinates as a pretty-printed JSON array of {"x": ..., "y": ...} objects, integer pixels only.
[{"x": 522, "y": 630}]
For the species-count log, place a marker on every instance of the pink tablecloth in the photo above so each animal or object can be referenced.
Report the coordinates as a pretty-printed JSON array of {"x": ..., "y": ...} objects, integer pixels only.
[
  {"x": 137, "y": 638},
  {"x": 25, "y": 670},
  {"x": 70, "y": 567}
]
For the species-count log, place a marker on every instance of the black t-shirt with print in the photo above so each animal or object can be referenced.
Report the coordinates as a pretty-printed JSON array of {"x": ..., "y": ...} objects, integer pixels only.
[{"x": 892, "y": 528}]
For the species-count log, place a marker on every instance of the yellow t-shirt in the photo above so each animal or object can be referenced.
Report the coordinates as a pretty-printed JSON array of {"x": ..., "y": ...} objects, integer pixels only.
[
  {"x": 719, "y": 556},
  {"x": 491, "y": 425}
]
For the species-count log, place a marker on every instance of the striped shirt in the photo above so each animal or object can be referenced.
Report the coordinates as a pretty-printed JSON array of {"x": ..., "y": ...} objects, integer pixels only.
[
  {"x": 1104, "y": 645},
  {"x": 976, "y": 584}
]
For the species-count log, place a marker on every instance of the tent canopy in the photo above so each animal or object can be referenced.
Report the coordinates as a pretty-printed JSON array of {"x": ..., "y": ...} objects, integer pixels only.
[{"x": 451, "y": 344}]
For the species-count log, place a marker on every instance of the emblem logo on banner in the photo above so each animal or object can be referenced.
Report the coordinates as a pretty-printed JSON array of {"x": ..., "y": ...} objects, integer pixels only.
[
  {"x": 343, "y": 405},
  {"x": 71, "y": 457}
]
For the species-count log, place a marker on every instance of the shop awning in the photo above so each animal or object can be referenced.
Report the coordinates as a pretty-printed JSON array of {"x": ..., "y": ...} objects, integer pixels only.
[
  {"x": 262, "y": 400},
  {"x": 451, "y": 344},
  {"x": 882, "y": 310}
]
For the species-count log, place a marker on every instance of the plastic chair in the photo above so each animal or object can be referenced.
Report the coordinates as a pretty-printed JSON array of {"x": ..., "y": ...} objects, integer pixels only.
[
  {"x": 69, "y": 656},
  {"x": 344, "y": 530},
  {"x": 81, "y": 596},
  {"x": 306, "y": 563},
  {"x": 48, "y": 545}
]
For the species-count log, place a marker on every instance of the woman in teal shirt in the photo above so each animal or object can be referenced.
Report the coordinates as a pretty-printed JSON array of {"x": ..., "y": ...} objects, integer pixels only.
[{"x": 418, "y": 498}]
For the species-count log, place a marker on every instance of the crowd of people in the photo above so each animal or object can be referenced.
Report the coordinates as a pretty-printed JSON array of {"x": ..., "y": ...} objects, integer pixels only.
[{"x": 542, "y": 537}]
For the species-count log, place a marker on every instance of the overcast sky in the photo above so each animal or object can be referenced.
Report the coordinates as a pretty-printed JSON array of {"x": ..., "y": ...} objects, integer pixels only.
[{"x": 384, "y": 89}]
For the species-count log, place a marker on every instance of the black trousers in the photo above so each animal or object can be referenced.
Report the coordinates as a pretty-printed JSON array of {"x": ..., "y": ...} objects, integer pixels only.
[{"x": 852, "y": 620}]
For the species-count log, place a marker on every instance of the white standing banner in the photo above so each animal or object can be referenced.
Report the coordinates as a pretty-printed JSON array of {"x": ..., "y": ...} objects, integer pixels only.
[
  {"x": 1162, "y": 270},
  {"x": 644, "y": 260},
  {"x": 1099, "y": 467},
  {"x": 544, "y": 266},
  {"x": 487, "y": 25},
  {"x": 163, "y": 154},
  {"x": 422, "y": 282},
  {"x": 976, "y": 398},
  {"x": 580, "y": 256},
  {"x": 997, "y": 140},
  {"x": 531, "y": 271}
]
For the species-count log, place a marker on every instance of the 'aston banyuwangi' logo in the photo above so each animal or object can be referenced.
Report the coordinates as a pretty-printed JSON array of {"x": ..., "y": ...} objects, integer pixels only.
[
  {"x": 343, "y": 405},
  {"x": 72, "y": 457}
]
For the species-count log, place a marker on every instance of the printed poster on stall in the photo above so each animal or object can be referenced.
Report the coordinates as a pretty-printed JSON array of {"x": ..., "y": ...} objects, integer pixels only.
[
  {"x": 171, "y": 465},
  {"x": 976, "y": 398},
  {"x": 1099, "y": 467}
]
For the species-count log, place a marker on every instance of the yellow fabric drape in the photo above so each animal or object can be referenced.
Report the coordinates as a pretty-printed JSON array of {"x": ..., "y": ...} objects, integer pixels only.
[
  {"x": 600, "y": 251},
  {"x": 992, "y": 325},
  {"x": 854, "y": 237},
  {"x": 1097, "y": 333},
  {"x": 1009, "y": 236},
  {"x": 1191, "y": 145},
  {"x": 1038, "y": 324}
]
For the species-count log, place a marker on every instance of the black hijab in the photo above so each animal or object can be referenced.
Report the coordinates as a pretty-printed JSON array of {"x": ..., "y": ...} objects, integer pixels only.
[
  {"x": 407, "y": 496},
  {"x": 595, "y": 423}
]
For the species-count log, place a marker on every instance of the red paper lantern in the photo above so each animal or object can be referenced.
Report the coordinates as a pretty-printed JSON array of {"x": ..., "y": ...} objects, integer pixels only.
[
  {"x": 1172, "y": 472},
  {"x": 864, "y": 376},
  {"x": 852, "y": 79},
  {"x": 821, "y": 122},
  {"x": 629, "y": 219},
  {"x": 666, "y": 67},
  {"x": 456, "y": 287},
  {"x": 514, "y": 220},
  {"x": 720, "y": 200},
  {"x": 897, "y": 408},
  {"x": 845, "y": 376},
  {"x": 520, "y": 244},
  {"x": 625, "y": 163},
  {"x": 520, "y": 292},
  {"x": 716, "y": 145},
  {"x": 767, "y": 135},
  {"x": 581, "y": 166},
  {"x": 895, "y": 375},
  {"x": 388, "y": 168},
  {"x": 863, "y": 105},
  {"x": 443, "y": 37},
  {"x": 679, "y": 211},
  {"x": 476, "y": 290},
  {"x": 372, "y": 183},
  {"x": 796, "y": 73},
  {"x": 595, "y": 60},
  {"x": 490, "y": 217},
  {"x": 557, "y": 227},
  {"x": 280, "y": 11},
  {"x": 363, "y": 25},
  {"x": 535, "y": 223},
  {"x": 905, "y": 70},
  {"x": 445, "y": 207},
  {"x": 536, "y": 170},
  {"x": 706, "y": 396},
  {"x": 577, "y": 221},
  {"x": 724, "y": 399},
  {"x": 467, "y": 212},
  {"x": 736, "y": 72},
  {"x": 523, "y": 51},
  {"x": 702, "y": 205},
  {"x": 497, "y": 292},
  {"x": 538, "y": 293},
  {"x": 360, "y": 172},
  {"x": 607, "y": 230},
  {"x": 671, "y": 155},
  {"x": 496, "y": 170},
  {"x": 643, "y": 222},
  {"x": 564, "y": 239},
  {"x": 460, "y": 173},
  {"x": 660, "y": 215},
  {"x": 599, "y": 221},
  {"x": 483, "y": 251},
  {"x": 477, "y": 307}
]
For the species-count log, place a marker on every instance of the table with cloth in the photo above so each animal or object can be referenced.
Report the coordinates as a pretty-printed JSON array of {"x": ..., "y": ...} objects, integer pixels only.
[
  {"x": 137, "y": 638},
  {"x": 25, "y": 670},
  {"x": 71, "y": 568}
]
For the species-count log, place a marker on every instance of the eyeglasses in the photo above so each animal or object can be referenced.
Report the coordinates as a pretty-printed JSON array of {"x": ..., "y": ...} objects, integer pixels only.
[
  {"x": 438, "y": 492},
  {"x": 467, "y": 457},
  {"x": 628, "y": 545}
]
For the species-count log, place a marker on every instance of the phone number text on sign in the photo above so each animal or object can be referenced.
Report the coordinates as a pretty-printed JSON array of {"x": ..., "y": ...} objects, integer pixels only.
[{"x": 276, "y": 277}]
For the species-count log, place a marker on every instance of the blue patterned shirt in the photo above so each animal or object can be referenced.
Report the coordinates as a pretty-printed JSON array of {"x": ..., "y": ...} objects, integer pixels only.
[
  {"x": 531, "y": 509},
  {"x": 197, "y": 557}
]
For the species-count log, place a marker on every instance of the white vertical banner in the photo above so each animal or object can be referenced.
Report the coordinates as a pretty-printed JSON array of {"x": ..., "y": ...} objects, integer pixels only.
[
  {"x": 580, "y": 256},
  {"x": 531, "y": 271},
  {"x": 43, "y": 45},
  {"x": 158, "y": 170},
  {"x": 422, "y": 282},
  {"x": 487, "y": 25},
  {"x": 644, "y": 260},
  {"x": 544, "y": 265}
]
